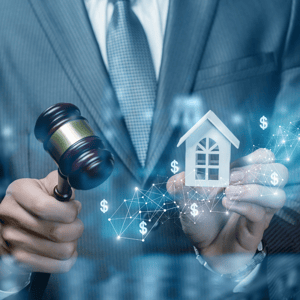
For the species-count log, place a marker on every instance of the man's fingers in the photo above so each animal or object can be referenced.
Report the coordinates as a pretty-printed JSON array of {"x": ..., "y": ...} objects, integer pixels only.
[
  {"x": 264, "y": 174},
  {"x": 19, "y": 239},
  {"x": 36, "y": 263},
  {"x": 261, "y": 195},
  {"x": 253, "y": 212},
  {"x": 31, "y": 196},
  {"x": 260, "y": 156},
  {"x": 57, "y": 232}
]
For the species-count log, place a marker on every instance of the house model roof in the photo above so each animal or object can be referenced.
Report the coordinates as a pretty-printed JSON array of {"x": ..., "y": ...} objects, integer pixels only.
[{"x": 217, "y": 123}]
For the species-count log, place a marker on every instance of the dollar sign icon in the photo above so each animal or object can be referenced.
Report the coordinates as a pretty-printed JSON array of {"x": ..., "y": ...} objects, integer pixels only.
[
  {"x": 274, "y": 177},
  {"x": 174, "y": 164},
  {"x": 143, "y": 230},
  {"x": 194, "y": 212},
  {"x": 104, "y": 206},
  {"x": 264, "y": 124}
]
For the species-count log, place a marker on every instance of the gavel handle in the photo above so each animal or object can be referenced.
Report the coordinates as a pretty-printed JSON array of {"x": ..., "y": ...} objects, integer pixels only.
[{"x": 39, "y": 281}]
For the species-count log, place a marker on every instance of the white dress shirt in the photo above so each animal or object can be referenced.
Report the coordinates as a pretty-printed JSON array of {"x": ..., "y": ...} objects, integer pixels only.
[{"x": 153, "y": 17}]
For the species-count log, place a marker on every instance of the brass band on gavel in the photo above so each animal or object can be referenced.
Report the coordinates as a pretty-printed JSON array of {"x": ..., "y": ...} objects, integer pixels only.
[{"x": 66, "y": 136}]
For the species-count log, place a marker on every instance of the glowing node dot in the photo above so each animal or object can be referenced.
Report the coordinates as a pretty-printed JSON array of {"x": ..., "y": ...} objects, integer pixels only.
[
  {"x": 136, "y": 188},
  {"x": 194, "y": 222},
  {"x": 124, "y": 200},
  {"x": 130, "y": 217},
  {"x": 109, "y": 219},
  {"x": 165, "y": 210},
  {"x": 163, "y": 195},
  {"x": 177, "y": 206},
  {"x": 175, "y": 202},
  {"x": 140, "y": 212},
  {"x": 118, "y": 237},
  {"x": 288, "y": 159},
  {"x": 149, "y": 220},
  {"x": 146, "y": 202},
  {"x": 227, "y": 212},
  {"x": 152, "y": 184},
  {"x": 143, "y": 240}
]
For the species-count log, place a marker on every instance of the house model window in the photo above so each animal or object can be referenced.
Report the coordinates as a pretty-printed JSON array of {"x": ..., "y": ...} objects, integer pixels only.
[
  {"x": 207, "y": 156},
  {"x": 207, "y": 160}
]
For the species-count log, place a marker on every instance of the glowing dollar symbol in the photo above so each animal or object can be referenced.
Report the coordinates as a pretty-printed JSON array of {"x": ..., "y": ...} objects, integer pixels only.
[
  {"x": 194, "y": 212},
  {"x": 174, "y": 164},
  {"x": 143, "y": 230},
  {"x": 274, "y": 177},
  {"x": 104, "y": 206},
  {"x": 264, "y": 124}
]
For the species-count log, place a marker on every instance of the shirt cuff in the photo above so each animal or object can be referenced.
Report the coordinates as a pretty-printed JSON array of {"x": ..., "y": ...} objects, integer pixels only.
[
  {"x": 243, "y": 276},
  {"x": 241, "y": 286},
  {"x": 12, "y": 291},
  {"x": 12, "y": 278}
]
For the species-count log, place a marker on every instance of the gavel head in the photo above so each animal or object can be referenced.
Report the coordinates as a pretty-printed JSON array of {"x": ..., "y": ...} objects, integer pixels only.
[{"x": 78, "y": 152}]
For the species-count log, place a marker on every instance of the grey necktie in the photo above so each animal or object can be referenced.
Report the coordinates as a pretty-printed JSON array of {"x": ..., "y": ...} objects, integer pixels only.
[{"x": 132, "y": 74}]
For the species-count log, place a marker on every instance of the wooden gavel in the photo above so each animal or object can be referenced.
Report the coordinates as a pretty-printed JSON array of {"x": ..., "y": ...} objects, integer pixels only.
[{"x": 82, "y": 161}]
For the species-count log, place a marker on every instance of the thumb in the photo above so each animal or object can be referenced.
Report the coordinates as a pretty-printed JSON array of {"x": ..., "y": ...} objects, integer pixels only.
[
  {"x": 176, "y": 186},
  {"x": 49, "y": 183}
]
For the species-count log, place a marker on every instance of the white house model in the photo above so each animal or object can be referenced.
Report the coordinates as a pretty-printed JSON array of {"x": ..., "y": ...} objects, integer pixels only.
[{"x": 208, "y": 149}]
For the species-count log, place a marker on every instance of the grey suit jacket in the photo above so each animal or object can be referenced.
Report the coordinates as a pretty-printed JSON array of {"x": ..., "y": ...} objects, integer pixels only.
[{"x": 242, "y": 57}]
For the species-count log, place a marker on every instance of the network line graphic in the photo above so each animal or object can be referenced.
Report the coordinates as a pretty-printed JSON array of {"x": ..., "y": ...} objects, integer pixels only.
[
  {"x": 139, "y": 215},
  {"x": 143, "y": 211},
  {"x": 285, "y": 141}
]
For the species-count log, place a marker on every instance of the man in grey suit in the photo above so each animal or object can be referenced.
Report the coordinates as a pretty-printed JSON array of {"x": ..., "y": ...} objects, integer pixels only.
[{"x": 242, "y": 57}]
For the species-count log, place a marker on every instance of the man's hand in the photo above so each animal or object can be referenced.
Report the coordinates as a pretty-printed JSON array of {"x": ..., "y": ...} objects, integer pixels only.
[
  {"x": 228, "y": 236},
  {"x": 40, "y": 232}
]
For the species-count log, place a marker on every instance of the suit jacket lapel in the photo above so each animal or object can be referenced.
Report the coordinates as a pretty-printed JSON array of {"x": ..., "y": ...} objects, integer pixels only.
[
  {"x": 67, "y": 26},
  {"x": 188, "y": 26}
]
